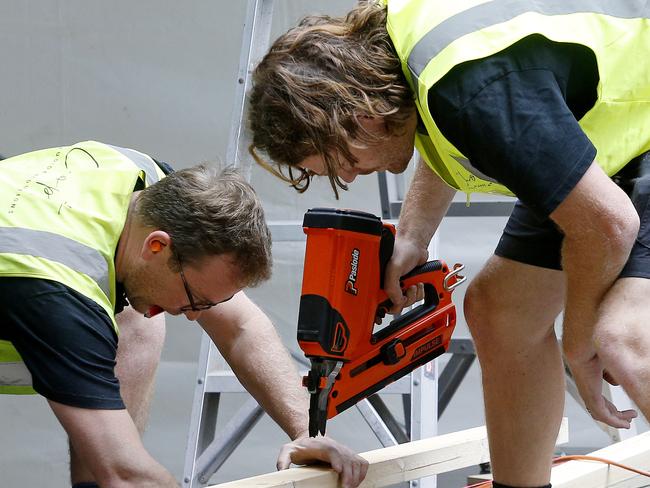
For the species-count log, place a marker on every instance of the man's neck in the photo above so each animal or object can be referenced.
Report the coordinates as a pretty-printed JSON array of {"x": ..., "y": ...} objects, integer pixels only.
[{"x": 127, "y": 242}]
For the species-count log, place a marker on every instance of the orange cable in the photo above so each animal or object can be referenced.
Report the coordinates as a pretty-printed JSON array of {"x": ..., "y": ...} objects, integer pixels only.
[
  {"x": 577, "y": 457},
  {"x": 562, "y": 459},
  {"x": 480, "y": 484}
]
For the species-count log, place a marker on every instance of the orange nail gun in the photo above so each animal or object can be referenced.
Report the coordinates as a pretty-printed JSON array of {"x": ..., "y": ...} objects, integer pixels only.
[{"x": 342, "y": 297}]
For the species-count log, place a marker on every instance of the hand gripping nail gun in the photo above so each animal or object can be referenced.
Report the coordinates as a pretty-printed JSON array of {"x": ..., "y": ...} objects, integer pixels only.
[{"x": 342, "y": 298}]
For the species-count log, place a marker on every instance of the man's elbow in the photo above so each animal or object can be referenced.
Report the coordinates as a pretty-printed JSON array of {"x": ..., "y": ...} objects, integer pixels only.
[
  {"x": 606, "y": 233},
  {"x": 611, "y": 235},
  {"x": 621, "y": 227}
]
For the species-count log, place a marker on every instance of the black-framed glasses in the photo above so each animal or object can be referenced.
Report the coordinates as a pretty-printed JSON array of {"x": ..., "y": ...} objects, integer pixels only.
[{"x": 193, "y": 306}]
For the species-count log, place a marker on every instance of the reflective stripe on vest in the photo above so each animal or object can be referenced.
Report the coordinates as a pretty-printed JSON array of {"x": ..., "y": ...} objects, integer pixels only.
[
  {"x": 465, "y": 163},
  {"x": 142, "y": 161},
  {"x": 15, "y": 378},
  {"x": 15, "y": 374},
  {"x": 497, "y": 11},
  {"x": 58, "y": 248}
]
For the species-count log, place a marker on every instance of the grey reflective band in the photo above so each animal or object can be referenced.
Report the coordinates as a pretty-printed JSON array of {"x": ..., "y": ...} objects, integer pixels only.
[
  {"x": 14, "y": 374},
  {"x": 142, "y": 161},
  {"x": 498, "y": 11},
  {"x": 57, "y": 248},
  {"x": 467, "y": 164}
]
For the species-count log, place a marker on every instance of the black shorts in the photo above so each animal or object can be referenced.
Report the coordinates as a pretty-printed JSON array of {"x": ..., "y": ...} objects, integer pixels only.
[
  {"x": 66, "y": 340},
  {"x": 536, "y": 240}
]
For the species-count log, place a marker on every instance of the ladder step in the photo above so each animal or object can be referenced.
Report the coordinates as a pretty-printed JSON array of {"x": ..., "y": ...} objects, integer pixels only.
[{"x": 227, "y": 382}]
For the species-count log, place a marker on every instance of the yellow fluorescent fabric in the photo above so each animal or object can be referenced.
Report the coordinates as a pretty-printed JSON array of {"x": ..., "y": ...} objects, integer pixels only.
[{"x": 433, "y": 36}]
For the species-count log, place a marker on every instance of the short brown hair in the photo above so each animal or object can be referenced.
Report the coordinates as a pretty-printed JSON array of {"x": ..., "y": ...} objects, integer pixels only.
[
  {"x": 314, "y": 83},
  {"x": 208, "y": 213}
]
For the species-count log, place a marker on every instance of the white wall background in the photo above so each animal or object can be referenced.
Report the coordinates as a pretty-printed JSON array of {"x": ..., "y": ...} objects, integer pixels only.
[{"x": 159, "y": 76}]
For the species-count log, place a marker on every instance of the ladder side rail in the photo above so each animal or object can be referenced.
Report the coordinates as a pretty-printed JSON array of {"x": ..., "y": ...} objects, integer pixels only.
[
  {"x": 255, "y": 40},
  {"x": 197, "y": 425}
]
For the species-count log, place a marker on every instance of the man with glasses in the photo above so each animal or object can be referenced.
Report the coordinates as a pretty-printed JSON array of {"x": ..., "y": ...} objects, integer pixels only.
[{"x": 92, "y": 236}]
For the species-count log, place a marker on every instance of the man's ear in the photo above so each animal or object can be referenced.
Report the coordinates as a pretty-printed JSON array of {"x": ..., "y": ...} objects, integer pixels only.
[{"x": 155, "y": 243}]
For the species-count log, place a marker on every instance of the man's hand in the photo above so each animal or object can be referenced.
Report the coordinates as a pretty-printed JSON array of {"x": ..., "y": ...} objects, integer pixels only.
[
  {"x": 424, "y": 206},
  {"x": 351, "y": 467},
  {"x": 406, "y": 256},
  {"x": 588, "y": 377}
]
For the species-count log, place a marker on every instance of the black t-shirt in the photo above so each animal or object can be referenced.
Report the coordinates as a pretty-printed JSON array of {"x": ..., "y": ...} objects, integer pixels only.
[
  {"x": 514, "y": 116},
  {"x": 66, "y": 340}
]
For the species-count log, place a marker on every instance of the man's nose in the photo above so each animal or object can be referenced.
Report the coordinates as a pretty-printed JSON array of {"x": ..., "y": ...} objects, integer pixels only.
[{"x": 348, "y": 175}]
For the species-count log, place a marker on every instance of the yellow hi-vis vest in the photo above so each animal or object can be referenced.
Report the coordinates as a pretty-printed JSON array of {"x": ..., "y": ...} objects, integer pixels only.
[
  {"x": 433, "y": 36},
  {"x": 62, "y": 211}
]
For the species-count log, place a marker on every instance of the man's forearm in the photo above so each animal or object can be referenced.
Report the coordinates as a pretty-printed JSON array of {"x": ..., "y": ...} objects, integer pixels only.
[
  {"x": 600, "y": 225},
  {"x": 425, "y": 205},
  {"x": 592, "y": 259},
  {"x": 267, "y": 371},
  {"x": 591, "y": 266},
  {"x": 248, "y": 341}
]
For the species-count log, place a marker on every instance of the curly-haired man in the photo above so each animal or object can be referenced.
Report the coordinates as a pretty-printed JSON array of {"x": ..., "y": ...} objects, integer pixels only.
[{"x": 545, "y": 100}]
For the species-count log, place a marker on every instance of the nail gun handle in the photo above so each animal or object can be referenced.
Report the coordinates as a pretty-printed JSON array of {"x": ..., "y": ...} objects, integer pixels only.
[
  {"x": 409, "y": 279},
  {"x": 425, "y": 268},
  {"x": 431, "y": 299}
]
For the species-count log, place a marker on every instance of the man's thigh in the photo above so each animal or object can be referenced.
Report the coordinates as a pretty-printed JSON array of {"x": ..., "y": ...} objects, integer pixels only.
[{"x": 522, "y": 287}]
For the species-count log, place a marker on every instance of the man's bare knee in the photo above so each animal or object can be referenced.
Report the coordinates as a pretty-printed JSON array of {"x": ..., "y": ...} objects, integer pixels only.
[
  {"x": 140, "y": 343},
  {"x": 510, "y": 303},
  {"x": 482, "y": 309},
  {"x": 475, "y": 307}
]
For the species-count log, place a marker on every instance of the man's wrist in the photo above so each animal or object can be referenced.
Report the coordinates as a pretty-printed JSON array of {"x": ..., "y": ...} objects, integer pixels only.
[
  {"x": 414, "y": 238},
  {"x": 300, "y": 435}
]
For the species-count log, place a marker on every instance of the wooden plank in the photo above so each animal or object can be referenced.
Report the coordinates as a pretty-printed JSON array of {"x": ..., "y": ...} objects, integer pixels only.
[
  {"x": 634, "y": 452},
  {"x": 474, "y": 479},
  {"x": 393, "y": 464}
]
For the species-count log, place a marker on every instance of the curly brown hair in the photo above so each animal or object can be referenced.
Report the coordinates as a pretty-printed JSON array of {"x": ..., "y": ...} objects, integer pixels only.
[{"x": 314, "y": 84}]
